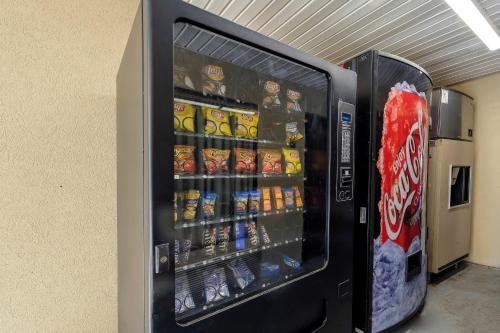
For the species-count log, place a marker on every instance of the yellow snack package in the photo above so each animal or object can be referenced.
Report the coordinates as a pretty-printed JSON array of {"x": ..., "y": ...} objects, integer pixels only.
[
  {"x": 246, "y": 125},
  {"x": 216, "y": 122},
  {"x": 184, "y": 117},
  {"x": 292, "y": 161}
]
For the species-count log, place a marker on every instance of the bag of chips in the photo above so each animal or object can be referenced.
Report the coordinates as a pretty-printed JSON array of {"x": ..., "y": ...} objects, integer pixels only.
[
  {"x": 244, "y": 160},
  {"x": 216, "y": 122},
  {"x": 183, "y": 298},
  {"x": 270, "y": 97},
  {"x": 216, "y": 160},
  {"x": 292, "y": 132},
  {"x": 241, "y": 272},
  {"x": 289, "y": 200},
  {"x": 223, "y": 238},
  {"x": 270, "y": 161},
  {"x": 184, "y": 117},
  {"x": 215, "y": 285},
  {"x": 266, "y": 199},
  {"x": 181, "y": 78},
  {"x": 292, "y": 160},
  {"x": 190, "y": 198},
  {"x": 254, "y": 202},
  {"x": 209, "y": 241},
  {"x": 253, "y": 236},
  {"x": 298, "y": 199},
  {"x": 246, "y": 125},
  {"x": 184, "y": 162},
  {"x": 212, "y": 77},
  {"x": 240, "y": 203},
  {"x": 293, "y": 100},
  {"x": 278, "y": 198},
  {"x": 208, "y": 205}
]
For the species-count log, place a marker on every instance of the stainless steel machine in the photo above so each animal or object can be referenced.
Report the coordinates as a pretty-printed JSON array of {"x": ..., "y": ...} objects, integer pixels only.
[{"x": 449, "y": 209}]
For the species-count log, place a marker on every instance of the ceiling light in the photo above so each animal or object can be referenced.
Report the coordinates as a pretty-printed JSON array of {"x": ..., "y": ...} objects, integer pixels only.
[{"x": 473, "y": 16}]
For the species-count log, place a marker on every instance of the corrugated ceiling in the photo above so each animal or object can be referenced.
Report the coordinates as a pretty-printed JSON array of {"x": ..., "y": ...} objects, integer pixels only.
[{"x": 426, "y": 32}]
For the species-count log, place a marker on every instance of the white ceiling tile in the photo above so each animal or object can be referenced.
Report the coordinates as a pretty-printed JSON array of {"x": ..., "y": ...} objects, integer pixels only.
[{"x": 427, "y": 32}]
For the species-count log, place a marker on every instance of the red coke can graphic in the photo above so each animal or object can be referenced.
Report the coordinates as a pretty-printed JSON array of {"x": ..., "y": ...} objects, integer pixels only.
[{"x": 401, "y": 162}]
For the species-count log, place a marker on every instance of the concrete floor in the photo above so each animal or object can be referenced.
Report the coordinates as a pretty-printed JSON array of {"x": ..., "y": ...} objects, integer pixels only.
[{"x": 466, "y": 302}]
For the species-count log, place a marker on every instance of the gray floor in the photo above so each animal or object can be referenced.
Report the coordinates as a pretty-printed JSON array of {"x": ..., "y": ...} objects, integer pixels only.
[{"x": 466, "y": 302}]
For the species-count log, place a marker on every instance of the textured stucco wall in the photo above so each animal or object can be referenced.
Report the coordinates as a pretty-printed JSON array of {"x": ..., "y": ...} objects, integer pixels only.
[
  {"x": 485, "y": 244},
  {"x": 58, "y": 63}
]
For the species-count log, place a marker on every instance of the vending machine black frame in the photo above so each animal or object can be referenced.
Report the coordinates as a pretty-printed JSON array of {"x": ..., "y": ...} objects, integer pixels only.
[
  {"x": 369, "y": 122},
  {"x": 145, "y": 97}
]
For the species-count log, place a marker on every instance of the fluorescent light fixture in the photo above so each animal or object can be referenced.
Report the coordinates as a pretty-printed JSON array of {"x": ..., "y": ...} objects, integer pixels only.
[{"x": 470, "y": 13}]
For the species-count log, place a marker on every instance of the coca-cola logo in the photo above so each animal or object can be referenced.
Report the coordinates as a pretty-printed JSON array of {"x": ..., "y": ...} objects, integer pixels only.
[{"x": 408, "y": 170}]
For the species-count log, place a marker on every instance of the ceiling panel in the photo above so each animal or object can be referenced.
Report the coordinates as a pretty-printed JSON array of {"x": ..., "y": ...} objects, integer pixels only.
[{"x": 427, "y": 32}]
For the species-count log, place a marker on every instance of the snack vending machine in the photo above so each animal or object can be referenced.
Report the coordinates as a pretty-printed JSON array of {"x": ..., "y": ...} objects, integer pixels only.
[
  {"x": 235, "y": 180},
  {"x": 392, "y": 118}
]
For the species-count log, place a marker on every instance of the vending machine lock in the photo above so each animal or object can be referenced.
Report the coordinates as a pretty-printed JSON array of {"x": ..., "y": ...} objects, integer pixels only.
[{"x": 162, "y": 258}]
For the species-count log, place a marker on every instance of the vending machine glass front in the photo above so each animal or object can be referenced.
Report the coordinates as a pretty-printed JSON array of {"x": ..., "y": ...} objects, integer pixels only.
[{"x": 251, "y": 162}]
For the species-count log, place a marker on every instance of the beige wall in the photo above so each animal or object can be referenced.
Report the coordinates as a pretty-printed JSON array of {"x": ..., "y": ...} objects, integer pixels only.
[
  {"x": 58, "y": 62},
  {"x": 486, "y": 175}
]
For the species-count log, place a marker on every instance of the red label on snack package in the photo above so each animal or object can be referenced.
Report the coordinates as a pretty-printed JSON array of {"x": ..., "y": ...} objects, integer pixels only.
[{"x": 401, "y": 163}]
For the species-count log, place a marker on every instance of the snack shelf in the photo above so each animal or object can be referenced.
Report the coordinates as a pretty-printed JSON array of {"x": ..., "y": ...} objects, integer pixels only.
[
  {"x": 237, "y": 218},
  {"x": 237, "y": 139},
  {"x": 213, "y": 102},
  {"x": 180, "y": 177},
  {"x": 257, "y": 287},
  {"x": 236, "y": 254}
]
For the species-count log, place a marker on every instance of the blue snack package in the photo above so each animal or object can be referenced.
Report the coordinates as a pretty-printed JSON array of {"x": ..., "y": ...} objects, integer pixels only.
[
  {"x": 208, "y": 205},
  {"x": 254, "y": 202},
  {"x": 240, "y": 203},
  {"x": 289, "y": 198},
  {"x": 291, "y": 262},
  {"x": 240, "y": 235},
  {"x": 268, "y": 270}
]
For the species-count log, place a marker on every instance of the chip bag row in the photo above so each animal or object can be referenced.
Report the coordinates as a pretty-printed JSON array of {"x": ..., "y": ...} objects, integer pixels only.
[{"x": 216, "y": 160}]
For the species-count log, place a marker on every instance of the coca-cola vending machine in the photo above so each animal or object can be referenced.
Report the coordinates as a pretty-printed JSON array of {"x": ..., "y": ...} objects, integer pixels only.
[{"x": 391, "y": 161}]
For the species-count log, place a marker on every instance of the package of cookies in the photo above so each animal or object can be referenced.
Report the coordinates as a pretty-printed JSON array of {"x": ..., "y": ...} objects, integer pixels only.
[
  {"x": 278, "y": 198},
  {"x": 266, "y": 199}
]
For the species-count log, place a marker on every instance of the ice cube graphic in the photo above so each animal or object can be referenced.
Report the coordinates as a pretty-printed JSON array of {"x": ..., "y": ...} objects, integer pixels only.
[{"x": 393, "y": 298}]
